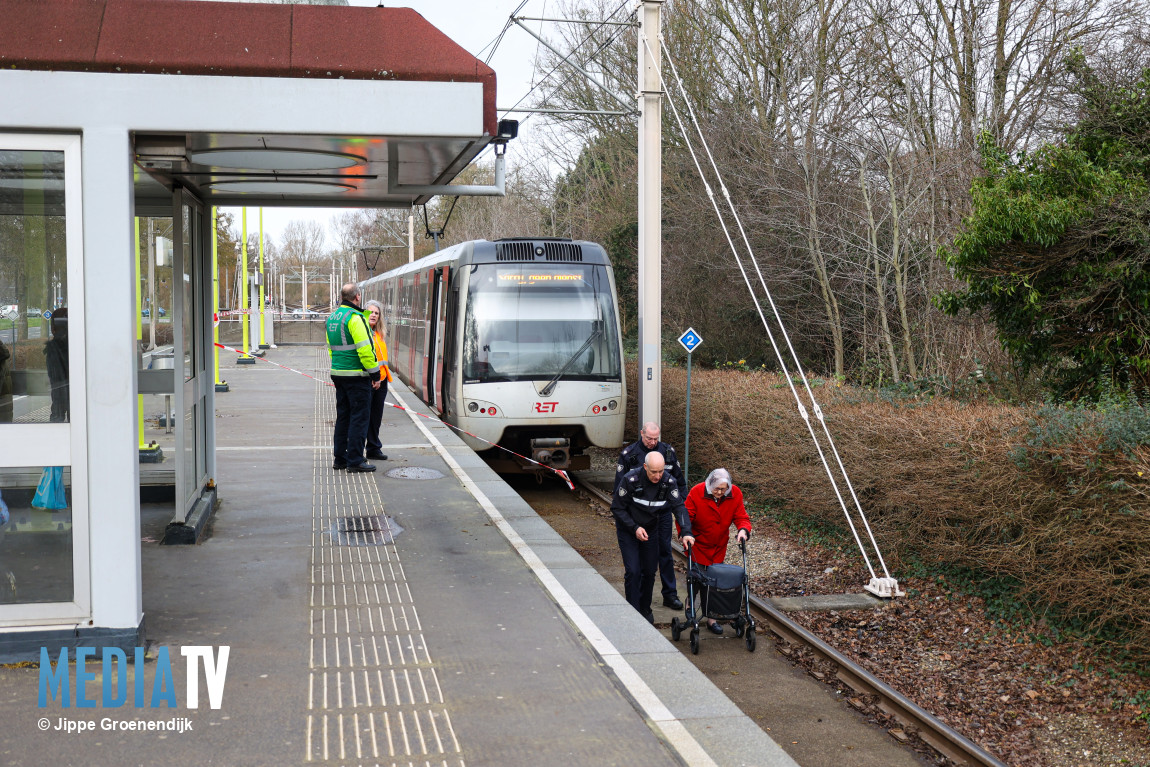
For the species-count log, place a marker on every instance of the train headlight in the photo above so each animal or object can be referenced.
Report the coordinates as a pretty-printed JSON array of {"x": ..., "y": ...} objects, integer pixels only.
[
  {"x": 472, "y": 406},
  {"x": 604, "y": 407}
]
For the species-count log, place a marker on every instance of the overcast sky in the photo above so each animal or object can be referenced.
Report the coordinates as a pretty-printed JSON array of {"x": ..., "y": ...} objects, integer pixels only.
[{"x": 474, "y": 24}]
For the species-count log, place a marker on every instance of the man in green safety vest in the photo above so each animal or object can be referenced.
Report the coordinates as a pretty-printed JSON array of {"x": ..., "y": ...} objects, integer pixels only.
[{"x": 355, "y": 373}]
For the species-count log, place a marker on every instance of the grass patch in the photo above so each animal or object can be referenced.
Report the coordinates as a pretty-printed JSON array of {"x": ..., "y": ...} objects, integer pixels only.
[
  {"x": 1044, "y": 511},
  {"x": 812, "y": 531}
]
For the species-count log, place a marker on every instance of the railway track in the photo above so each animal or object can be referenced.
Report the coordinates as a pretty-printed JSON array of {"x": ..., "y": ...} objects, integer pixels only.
[{"x": 943, "y": 738}]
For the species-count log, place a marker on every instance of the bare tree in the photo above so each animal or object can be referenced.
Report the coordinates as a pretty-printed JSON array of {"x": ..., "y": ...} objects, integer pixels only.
[
  {"x": 999, "y": 61},
  {"x": 373, "y": 238},
  {"x": 305, "y": 260}
]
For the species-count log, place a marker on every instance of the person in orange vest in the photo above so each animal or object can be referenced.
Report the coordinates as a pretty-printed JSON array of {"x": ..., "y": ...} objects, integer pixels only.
[{"x": 375, "y": 322}]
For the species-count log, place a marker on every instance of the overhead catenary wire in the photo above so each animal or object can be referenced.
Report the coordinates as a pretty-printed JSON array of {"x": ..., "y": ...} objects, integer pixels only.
[
  {"x": 535, "y": 58},
  {"x": 599, "y": 49},
  {"x": 590, "y": 35},
  {"x": 494, "y": 44},
  {"x": 770, "y": 335}
]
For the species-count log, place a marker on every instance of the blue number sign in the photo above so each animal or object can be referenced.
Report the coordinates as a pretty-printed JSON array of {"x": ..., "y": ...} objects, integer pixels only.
[{"x": 690, "y": 340}]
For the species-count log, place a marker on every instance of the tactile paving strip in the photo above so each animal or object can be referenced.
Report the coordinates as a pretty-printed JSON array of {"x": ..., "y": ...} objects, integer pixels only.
[{"x": 373, "y": 691}]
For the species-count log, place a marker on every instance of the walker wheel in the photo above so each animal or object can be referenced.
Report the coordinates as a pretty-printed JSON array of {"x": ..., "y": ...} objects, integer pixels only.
[
  {"x": 750, "y": 640},
  {"x": 676, "y": 629},
  {"x": 694, "y": 641}
]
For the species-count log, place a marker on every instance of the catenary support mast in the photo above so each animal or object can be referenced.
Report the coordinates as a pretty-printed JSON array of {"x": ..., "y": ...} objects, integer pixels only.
[{"x": 650, "y": 99}]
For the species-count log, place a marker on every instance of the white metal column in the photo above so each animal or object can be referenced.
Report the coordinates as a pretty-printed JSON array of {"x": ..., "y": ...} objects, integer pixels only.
[
  {"x": 650, "y": 210},
  {"x": 110, "y": 327},
  {"x": 207, "y": 310}
]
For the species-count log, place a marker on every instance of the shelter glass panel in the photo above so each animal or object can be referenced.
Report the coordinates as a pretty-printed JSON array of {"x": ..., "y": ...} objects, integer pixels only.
[
  {"x": 154, "y": 328},
  {"x": 34, "y": 354},
  {"x": 36, "y": 538},
  {"x": 155, "y": 282},
  {"x": 187, "y": 283},
  {"x": 189, "y": 452},
  {"x": 43, "y": 529}
]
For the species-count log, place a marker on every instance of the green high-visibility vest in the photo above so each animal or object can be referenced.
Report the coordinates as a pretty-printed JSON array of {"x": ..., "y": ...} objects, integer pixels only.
[{"x": 349, "y": 342}]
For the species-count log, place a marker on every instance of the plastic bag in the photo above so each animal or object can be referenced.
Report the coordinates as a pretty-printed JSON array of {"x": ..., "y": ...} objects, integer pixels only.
[
  {"x": 50, "y": 492},
  {"x": 3, "y": 511}
]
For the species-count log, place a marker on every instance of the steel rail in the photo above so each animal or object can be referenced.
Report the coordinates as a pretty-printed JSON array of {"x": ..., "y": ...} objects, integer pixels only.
[{"x": 940, "y": 736}]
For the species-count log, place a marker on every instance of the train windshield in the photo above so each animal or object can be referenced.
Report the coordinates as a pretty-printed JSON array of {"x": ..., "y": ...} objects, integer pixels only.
[{"x": 530, "y": 322}]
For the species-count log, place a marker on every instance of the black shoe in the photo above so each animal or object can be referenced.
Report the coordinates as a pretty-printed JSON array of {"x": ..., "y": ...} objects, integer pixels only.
[
  {"x": 714, "y": 628},
  {"x": 377, "y": 456},
  {"x": 360, "y": 467},
  {"x": 673, "y": 602},
  {"x": 650, "y": 616},
  {"x": 339, "y": 465}
]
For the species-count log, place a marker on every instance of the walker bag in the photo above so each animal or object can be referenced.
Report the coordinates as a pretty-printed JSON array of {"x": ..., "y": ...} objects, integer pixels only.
[{"x": 719, "y": 590}]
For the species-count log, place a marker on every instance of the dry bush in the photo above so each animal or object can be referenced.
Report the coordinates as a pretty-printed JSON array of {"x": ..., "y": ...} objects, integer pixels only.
[{"x": 944, "y": 482}]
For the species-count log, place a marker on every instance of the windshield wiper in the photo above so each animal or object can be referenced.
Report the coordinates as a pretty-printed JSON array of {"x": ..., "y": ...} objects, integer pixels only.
[{"x": 546, "y": 390}]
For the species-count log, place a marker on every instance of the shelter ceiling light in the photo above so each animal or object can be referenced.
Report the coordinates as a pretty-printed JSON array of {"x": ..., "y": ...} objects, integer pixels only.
[
  {"x": 275, "y": 159},
  {"x": 279, "y": 187}
]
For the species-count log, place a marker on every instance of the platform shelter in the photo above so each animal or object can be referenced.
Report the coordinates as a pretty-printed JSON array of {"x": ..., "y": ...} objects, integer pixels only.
[{"x": 120, "y": 111}]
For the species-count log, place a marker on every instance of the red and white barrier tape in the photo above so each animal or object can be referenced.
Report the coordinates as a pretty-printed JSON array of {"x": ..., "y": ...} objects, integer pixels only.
[{"x": 562, "y": 474}]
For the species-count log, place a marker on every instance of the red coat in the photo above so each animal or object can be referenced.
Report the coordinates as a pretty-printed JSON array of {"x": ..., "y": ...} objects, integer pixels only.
[{"x": 711, "y": 522}]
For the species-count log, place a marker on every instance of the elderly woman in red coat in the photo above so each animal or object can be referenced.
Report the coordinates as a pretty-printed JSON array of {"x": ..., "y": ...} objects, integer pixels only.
[{"x": 714, "y": 505}]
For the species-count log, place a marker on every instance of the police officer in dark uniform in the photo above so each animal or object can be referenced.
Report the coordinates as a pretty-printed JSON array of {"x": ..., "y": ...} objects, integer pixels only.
[
  {"x": 644, "y": 500},
  {"x": 631, "y": 458}
]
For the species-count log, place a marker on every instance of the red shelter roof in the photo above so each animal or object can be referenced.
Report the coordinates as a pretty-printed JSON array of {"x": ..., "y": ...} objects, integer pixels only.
[{"x": 236, "y": 39}]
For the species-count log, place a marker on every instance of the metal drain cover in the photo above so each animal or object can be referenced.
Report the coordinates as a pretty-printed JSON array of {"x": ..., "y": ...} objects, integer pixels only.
[
  {"x": 414, "y": 472},
  {"x": 373, "y": 530}
]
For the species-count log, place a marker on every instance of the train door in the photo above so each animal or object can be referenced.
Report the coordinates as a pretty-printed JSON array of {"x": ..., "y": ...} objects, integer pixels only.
[
  {"x": 391, "y": 306},
  {"x": 423, "y": 355},
  {"x": 436, "y": 324},
  {"x": 450, "y": 331},
  {"x": 415, "y": 317}
]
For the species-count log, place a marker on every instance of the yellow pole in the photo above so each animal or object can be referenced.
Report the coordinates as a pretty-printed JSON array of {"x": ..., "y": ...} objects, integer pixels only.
[
  {"x": 244, "y": 290},
  {"x": 139, "y": 328},
  {"x": 216, "y": 292},
  {"x": 263, "y": 340}
]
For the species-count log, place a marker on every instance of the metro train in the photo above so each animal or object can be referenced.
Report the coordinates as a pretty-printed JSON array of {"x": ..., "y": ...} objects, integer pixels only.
[{"x": 515, "y": 341}]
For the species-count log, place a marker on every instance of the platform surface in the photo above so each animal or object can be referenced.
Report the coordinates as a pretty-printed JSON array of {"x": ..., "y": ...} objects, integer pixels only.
[{"x": 467, "y": 632}]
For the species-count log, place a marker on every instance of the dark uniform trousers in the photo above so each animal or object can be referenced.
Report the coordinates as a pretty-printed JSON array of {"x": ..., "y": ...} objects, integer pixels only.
[
  {"x": 640, "y": 560},
  {"x": 666, "y": 558},
  {"x": 352, "y": 412},
  {"x": 632, "y": 457},
  {"x": 638, "y": 502},
  {"x": 378, "y": 396}
]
